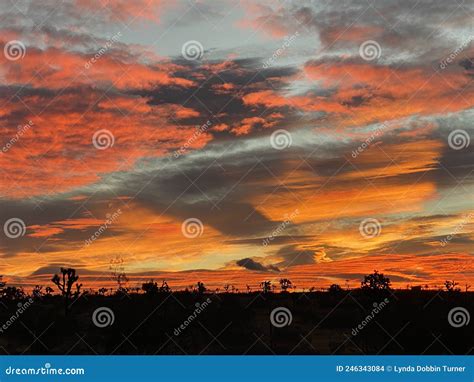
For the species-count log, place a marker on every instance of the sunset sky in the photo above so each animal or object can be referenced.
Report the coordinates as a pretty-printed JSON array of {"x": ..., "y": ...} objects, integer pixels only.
[{"x": 237, "y": 141}]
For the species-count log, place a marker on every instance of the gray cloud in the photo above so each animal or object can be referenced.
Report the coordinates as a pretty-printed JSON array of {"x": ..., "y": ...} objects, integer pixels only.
[{"x": 253, "y": 265}]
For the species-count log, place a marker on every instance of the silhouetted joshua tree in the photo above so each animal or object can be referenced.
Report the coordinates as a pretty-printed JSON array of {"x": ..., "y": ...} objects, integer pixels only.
[
  {"x": 150, "y": 288},
  {"x": 335, "y": 288},
  {"x": 13, "y": 293},
  {"x": 375, "y": 282},
  {"x": 122, "y": 291},
  {"x": 164, "y": 288},
  {"x": 65, "y": 282},
  {"x": 37, "y": 292},
  {"x": 49, "y": 291},
  {"x": 77, "y": 292},
  {"x": 285, "y": 284},
  {"x": 2, "y": 285},
  {"x": 102, "y": 291},
  {"x": 266, "y": 286},
  {"x": 451, "y": 285},
  {"x": 201, "y": 288}
]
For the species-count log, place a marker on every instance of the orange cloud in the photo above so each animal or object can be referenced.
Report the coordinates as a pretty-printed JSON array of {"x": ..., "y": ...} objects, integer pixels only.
[
  {"x": 387, "y": 93},
  {"x": 57, "y": 69},
  {"x": 60, "y": 142},
  {"x": 364, "y": 93},
  {"x": 249, "y": 123}
]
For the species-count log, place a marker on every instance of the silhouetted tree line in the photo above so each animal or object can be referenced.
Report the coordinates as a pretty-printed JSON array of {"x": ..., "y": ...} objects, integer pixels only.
[{"x": 66, "y": 281}]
